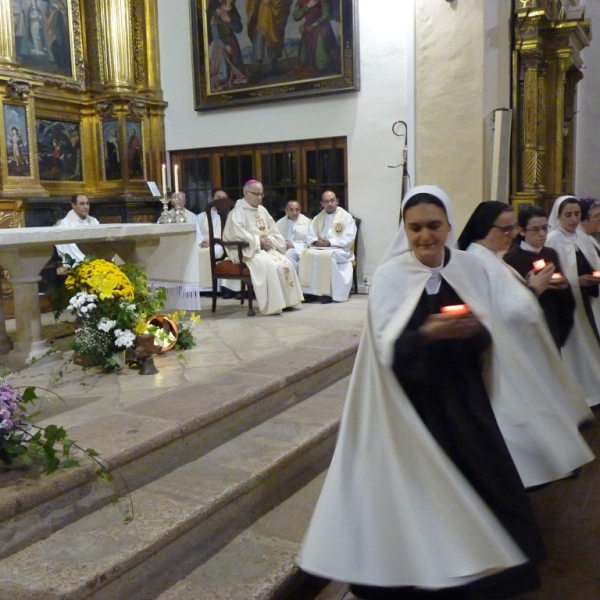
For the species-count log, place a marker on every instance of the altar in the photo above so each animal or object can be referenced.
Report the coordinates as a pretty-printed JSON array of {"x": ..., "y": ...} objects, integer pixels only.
[{"x": 168, "y": 251}]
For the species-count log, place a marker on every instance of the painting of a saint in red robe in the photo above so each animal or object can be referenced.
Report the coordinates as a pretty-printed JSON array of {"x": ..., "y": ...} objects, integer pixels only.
[{"x": 319, "y": 51}]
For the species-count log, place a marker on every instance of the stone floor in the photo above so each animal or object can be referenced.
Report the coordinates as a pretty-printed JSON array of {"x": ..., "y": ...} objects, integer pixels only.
[{"x": 225, "y": 340}]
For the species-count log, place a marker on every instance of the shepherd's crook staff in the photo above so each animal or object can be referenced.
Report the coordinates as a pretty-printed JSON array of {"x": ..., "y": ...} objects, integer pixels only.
[{"x": 405, "y": 174}]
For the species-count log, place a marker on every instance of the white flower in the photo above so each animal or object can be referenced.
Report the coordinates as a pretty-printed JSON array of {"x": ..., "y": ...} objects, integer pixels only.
[
  {"x": 106, "y": 324},
  {"x": 124, "y": 338}
]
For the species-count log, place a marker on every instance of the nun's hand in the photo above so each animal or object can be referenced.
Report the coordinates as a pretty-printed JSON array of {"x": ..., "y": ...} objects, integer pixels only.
[
  {"x": 587, "y": 280},
  {"x": 539, "y": 281},
  {"x": 448, "y": 327}
]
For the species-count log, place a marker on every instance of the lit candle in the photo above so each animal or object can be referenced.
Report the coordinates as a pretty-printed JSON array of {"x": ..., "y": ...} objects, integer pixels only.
[
  {"x": 556, "y": 276},
  {"x": 164, "y": 180},
  {"x": 538, "y": 265},
  {"x": 176, "y": 179},
  {"x": 456, "y": 309},
  {"x": 596, "y": 273}
]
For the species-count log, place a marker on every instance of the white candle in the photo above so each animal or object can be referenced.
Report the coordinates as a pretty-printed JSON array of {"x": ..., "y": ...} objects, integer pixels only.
[
  {"x": 164, "y": 180},
  {"x": 176, "y": 179}
]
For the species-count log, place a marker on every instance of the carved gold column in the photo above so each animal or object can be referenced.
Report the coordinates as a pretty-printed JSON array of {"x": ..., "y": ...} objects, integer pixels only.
[
  {"x": 546, "y": 68},
  {"x": 529, "y": 166},
  {"x": 7, "y": 34},
  {"x": 115, "y": 20}
]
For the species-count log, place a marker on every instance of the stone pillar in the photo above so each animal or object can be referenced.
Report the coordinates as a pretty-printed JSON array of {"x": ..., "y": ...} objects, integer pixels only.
[
  {"x": 117, "y": 54},
  {"x": 7, "y": 34}
]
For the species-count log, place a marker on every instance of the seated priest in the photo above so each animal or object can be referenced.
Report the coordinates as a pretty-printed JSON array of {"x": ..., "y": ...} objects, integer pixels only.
[
  {"x": 273, "y": 276},
  {"x": 294, "y": 229},
  {"x": 326, "y": 264},
  {"x": 229, "y": 287},
  {"x": 78, "y": 216}
]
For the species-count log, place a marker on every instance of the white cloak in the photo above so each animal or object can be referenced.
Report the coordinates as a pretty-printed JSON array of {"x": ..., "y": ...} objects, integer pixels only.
[
  {"x": 328, "y": 271},
  {"x": 73, "y": 220},
  {"x": 537, "y": 404},
  {"x": 581, "y": 352},
  {"x": 273, "y": 276},
  {"x": 394, "y": 510}
]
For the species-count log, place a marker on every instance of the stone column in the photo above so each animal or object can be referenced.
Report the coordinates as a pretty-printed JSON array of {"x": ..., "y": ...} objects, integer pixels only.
[
  {"x": 7, "y": 34},
  {"x": 117, "y": 54}
]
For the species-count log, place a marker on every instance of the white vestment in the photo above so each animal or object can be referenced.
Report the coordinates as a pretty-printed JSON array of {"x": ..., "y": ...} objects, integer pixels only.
[
  {"x": 273, "y": 276},
  {"x": 296, "y": 233},
  {"x": 72, "y": 220},
  {"x": 394, "y": 509},
  {"x": 328, "y": 271},
  {"x": 581, "y": 352},
  {"x": 204, "y": 253},
  {"x": 538, "y": 405}
]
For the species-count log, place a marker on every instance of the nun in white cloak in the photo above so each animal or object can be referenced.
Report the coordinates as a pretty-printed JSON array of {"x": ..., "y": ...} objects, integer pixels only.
[
  {"x": 422, "y": 498},
  {"x": 578, "y": 256}
]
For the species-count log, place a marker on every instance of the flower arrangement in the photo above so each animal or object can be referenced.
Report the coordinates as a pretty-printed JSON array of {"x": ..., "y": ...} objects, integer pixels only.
[
  {"x": 185, "y": 338},
  {"x": 111, "y": 304},
  {"x": 22, "y": 440}
]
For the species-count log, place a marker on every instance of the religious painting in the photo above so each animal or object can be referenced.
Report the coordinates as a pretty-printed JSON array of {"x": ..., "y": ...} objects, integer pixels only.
[
  {"x": 44, "y": 35},
  {"x": 17, "y": 140},
  {"x": 248, "y": 51},
  {"x": 111, "y": 150},
  {"x": 59, "y": 150},
  {"x": 135, "y": 150}
]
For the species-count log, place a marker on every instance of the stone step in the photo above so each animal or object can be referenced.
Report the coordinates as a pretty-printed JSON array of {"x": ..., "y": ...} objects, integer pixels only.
[
  {"x": 150, "y": 438},
  {"x": 184, "y": 517},
  {"x": 260, "y": 563}
]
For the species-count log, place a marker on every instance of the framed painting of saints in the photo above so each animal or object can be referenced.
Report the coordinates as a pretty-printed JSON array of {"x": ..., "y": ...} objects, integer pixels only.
[
  {"x": 111, "y": 150},
  {"x": 17, "y": 140},
  {"x": 59, "y": 150},
  {"x": 48, "y": 36},
  {"x": 248, "y": 51},
  {"x": 135, "y": 150}
]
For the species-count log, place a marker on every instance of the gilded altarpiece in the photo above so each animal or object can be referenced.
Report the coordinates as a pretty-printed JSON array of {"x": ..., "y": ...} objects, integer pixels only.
[
  {"x": 549, "y": 37},
  {"x": 68, "y": 68}
]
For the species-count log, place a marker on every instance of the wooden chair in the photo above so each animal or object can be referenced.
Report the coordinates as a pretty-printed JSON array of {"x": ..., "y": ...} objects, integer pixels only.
[
  {"x": 220, "y": 265},
  {"x": 355, "y": 261}
]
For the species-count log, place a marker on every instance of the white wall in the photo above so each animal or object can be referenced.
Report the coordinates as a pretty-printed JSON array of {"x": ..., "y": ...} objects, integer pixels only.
[
  {"x": 365, "y": 117},
  {"x": 587, "y": 175},
  {"x": 462, "y": 74}
]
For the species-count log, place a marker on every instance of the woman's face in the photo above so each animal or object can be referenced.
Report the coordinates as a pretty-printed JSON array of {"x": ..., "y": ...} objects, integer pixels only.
[
  {"x": 501, "y": 234},
  {"x": 536, "y": 232},
  {"x": 570, "y": 216},
  {"x": 592, "y": 223},
  {"x": 427, "y": 229}
]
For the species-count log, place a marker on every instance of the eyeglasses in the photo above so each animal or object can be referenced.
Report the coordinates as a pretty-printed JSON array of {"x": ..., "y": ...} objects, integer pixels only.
[
  {"x": 544, "y": 228},
  {"x": 506, "y": 229},
  {"x": 256, "y": 193}
]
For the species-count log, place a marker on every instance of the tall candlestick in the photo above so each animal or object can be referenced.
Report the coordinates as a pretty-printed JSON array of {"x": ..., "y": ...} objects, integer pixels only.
[
  {"x": 164, "y": 180},
  {"x": 176, "y": 179}
]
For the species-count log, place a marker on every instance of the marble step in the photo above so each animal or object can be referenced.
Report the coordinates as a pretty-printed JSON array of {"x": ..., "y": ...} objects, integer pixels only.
[
  {"x": 259, "y": 564},
  {"x": 182, "y": 518},
  {"x": 150, "y": 438}
]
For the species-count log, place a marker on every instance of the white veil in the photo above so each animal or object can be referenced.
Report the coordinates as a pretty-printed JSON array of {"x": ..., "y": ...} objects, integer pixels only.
[{"x": 399, "y": 244}]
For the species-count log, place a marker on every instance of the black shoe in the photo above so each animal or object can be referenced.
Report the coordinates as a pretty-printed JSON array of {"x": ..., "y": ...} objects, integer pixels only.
[
  {"x": 326, "y": 299},
  {"x": 226, "y": 293}
]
